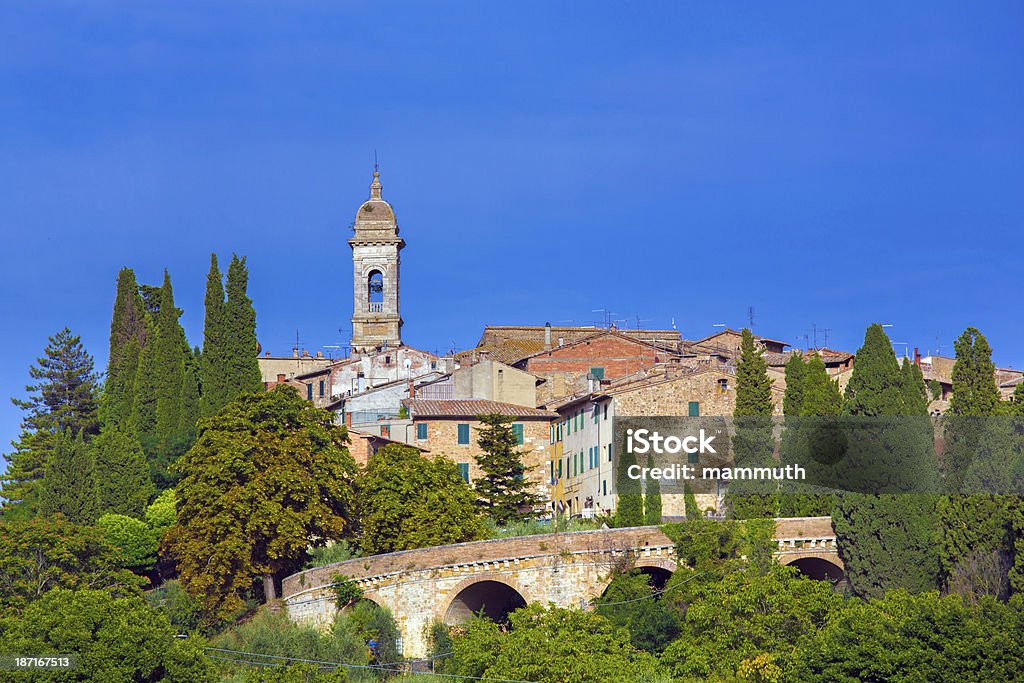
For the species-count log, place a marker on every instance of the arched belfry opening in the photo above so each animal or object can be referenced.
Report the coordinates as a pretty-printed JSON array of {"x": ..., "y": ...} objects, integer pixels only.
[
  {"x": 375, "y": 290},
  {"x": 376, "y": 316},
  {"x": 492, "y": 599}
]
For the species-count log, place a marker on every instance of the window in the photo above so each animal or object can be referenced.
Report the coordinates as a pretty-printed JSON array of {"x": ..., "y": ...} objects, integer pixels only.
[
  {"x": 421, "y": 431},
  {"x": 598, "y": 373},
  {"x": 387, "y": 360},
  {"x": 517, "y": 429},
  {"x": 604, "y": 487},
  {"x": 551, "y": 472},
  {"x": 609, "y": 452},
  {"x": 309, "y": 392},
  {"x": 463, "y": 434},
  {"x": 693, "y": 458},
  {"x": 559, "y": 468},
  {"x": 606, "y": 411},
  {"x": 321, "y": 387},
  {"x": 464, "y": 471},
  {"x": 694, "y": 409},
  {"x": 433, "y": 365},
  {"x": 597, "y": 413},
  {"x": 723, "y": 386}
]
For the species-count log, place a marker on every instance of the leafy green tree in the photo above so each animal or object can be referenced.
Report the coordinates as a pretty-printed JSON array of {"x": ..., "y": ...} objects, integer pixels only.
[
  {"x": 549, "y": 645},
  {"x": 907, "y": 637},
  {"x": 42, "y": 554},
  {"x": 753, "y": 445},
  {"x": 266, "y": 477},
  {"x": 974, "y": 388},
  {"x": 113, "y": 637},
  {"x": 730, "y": 623},
  {"x": 121, "y": 474},
  {"x": 62, "y": 397},
  {"x": 629, "y": 507},
  {"x": 162, "y": 513},
  {"x": 135, "y": 540},
  {"x": 243, "y": 370},
  {"x": 399, "y": 496},
  {"x": 127, "y": 337},
  {"x": 67, "y": 480},
  {"x": 652, "y": 497},
  {"x": 887, "y": 539},
  {"x": 216, "y": 391},
  {"x": 503, "y": 491},
  {"x": 631, "y": 601}
]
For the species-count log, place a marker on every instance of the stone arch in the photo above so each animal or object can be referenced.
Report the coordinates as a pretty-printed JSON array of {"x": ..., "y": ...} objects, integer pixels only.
[
  {"x": 817, "y": 567},
  {"x": 495, "y": 598},
  {"x": 660, "y": 571},
  {"x": 375, "y": 286}
]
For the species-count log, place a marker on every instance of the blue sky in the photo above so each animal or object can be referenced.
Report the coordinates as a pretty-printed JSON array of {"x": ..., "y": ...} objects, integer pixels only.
[{"x": 826, "y": 164}]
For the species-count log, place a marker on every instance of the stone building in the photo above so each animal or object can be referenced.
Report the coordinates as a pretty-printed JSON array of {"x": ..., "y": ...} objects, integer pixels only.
[
  {"x": 450, "y": 428},
  {"x": 727, "y": 342},
  {"x": 510, "y": 343}
]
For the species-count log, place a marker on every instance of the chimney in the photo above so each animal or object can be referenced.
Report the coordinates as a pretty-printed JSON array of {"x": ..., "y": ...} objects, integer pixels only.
[
  {"x": 547, "y": 336},
  {"x": 917, "y": 356},
  {"x": 319, "y": 354},
  {"x": 280, "y": 378},
  {"x": 348, "y": 419},
  {"x": 267, "y": 354},
  {"x": 295, "y": 352}
]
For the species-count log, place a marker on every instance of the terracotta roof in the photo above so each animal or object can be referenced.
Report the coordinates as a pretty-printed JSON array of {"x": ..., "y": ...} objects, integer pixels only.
[
  {"x": 511, "y": 343},
  {"x": 738, "y": 333},
  {"x": 829, "y": 356},
  {"x": 471, "y": 407},
  {"x": 602, "y": 333}
]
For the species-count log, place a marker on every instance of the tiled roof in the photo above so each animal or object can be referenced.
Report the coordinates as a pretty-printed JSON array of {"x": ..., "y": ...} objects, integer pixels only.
[
  {"x": 829, "y": 356},
  {"x": 471, "y": 407},
  {"x": 510, "y": 343}
]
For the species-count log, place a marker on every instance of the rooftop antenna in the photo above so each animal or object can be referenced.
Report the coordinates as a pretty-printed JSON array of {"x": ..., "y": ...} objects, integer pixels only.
[
  {"x": 673, "y": 322},
  {"x": 750, "y": 316},
  {"x": 826, "y": 331}
]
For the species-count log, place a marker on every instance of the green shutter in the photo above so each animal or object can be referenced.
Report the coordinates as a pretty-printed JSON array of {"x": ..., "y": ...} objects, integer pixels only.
[
  {"x": 464, "y": 470},
  {"x": 694, "y": 409},
  {"x": 463, "y": 434},
  {"x": 517, "y": 429},
  {"x": 421, "y": 431}
]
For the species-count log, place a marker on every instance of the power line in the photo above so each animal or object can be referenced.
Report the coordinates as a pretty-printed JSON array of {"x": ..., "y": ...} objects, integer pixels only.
[{"x": 652, "y": 595}]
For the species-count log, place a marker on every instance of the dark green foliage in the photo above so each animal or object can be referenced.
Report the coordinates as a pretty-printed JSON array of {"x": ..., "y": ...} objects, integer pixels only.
[
  {"x": 67, "y": 481},
  {"x": 915, "y": 638},
  {"x": 121, "y": 473},
  {"x": 267, "y": 475},
  {"x": 753, "y": 444},
  {"x": 177, "y": 605},
  {"x": 631, "y": 601},
  {"x": 144, "y": 399},
  {"x": 190, "y": 392},
  {"x": 915, "y": 395},
  {"x": 338, "y": 551},
  {"x": 242, "y": 370},
  {"x": 503, "y": 491},
  {"x": 793, "y": 399},
  {"x": 62, "y": 397},
  {"x": 629, "y": 510},
  {"x": 974, "y": 388},
  {"x": 888, "y": 541},
  {"x": 748, "y": 622},
  {"x": 115, "y": 638},
  {"x": 821, "y": 393},
  {"x": 169, "y": 348},
  {"x": 214, "y": 363},
  {"x": 652, "y": 497},
  {"x": 127, "y": 337},
  {"x": 553, "y": 644},
  {"x": 399, "y": 498},
  {"x": 42, "y": 554}
]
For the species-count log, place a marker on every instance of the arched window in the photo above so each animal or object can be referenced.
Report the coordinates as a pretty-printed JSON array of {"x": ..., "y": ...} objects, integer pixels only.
[{"x": 375, "y": 291}]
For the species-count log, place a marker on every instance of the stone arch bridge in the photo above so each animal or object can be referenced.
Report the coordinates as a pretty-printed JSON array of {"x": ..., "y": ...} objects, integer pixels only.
[{"x": 452, "y": 582}]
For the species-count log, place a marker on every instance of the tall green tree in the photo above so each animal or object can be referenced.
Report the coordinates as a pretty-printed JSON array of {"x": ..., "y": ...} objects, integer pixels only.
[
  {"x": 67, "y": 480},
  {"x": 214, "y": 367},
  {"x": 753, "y": 445},
  {"x": 62, "y": 397},
  {"x": 652, "y": 497},
  {"x": 243, "y": 370},
  {"x": 121, "y": 474},
  {"x": 886, "y": 538},
  {"x": 793, "y": 399},
  {"x": 127, "y": 337},
  {"x": 169, "y": 356},
  {"x": 915, "y": 393},
  {"x": 399, "y": 496},
  {"x": 267, "y": 477},
  {"x": 503, "y": 491},
  {"x": 629, "y": 506}
]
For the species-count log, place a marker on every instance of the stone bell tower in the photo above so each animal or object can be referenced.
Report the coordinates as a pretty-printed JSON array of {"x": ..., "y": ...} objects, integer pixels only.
[{"x": 376, "y": 320}]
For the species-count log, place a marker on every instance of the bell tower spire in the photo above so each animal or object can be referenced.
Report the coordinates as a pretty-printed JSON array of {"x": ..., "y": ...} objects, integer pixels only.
[{"x": 376, "y": 319}]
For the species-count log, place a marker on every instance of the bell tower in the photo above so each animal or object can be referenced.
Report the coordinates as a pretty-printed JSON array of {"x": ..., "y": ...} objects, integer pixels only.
[{"x": 376, "y": 320}]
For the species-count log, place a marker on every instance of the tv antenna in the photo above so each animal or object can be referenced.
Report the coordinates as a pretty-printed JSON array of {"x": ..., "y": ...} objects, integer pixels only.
[{"x": 750, "y": 316}]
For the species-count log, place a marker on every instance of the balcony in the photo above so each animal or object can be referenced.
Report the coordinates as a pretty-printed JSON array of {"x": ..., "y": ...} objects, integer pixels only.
[{"x": 376, "y": 307}]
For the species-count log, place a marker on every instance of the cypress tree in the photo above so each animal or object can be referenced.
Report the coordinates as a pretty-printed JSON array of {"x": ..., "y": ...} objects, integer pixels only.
[
  {"x": 629, "y": 508},
  {"x": 121, "y": 474},
  {"x": 169, "y": 349},
  {"x": 191, "y": 398},
  {"x": 127, "y": 337},
  {"x": 796, "y": 369},
  {"x": 886, "y": 540},
  {"x": 62, "y": 397},
  {"x": 68, "y": 473},
  {"x": 144, "y": 400},
  {"x": 821, "y": 396},
  {"x": 753, "y": 445},
  {"x": 975, "y": 393},
  {"x": 915, "y": 393},
  {"x": 215, "y": 388},
  {"x": 652, "y": 497},
  {"x": 243, "y": 369},
  {"x": 503, "y": 492}
]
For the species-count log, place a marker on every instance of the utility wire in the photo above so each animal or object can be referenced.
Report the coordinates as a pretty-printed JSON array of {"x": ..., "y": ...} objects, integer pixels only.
[{"x": 646, "y": 597}]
